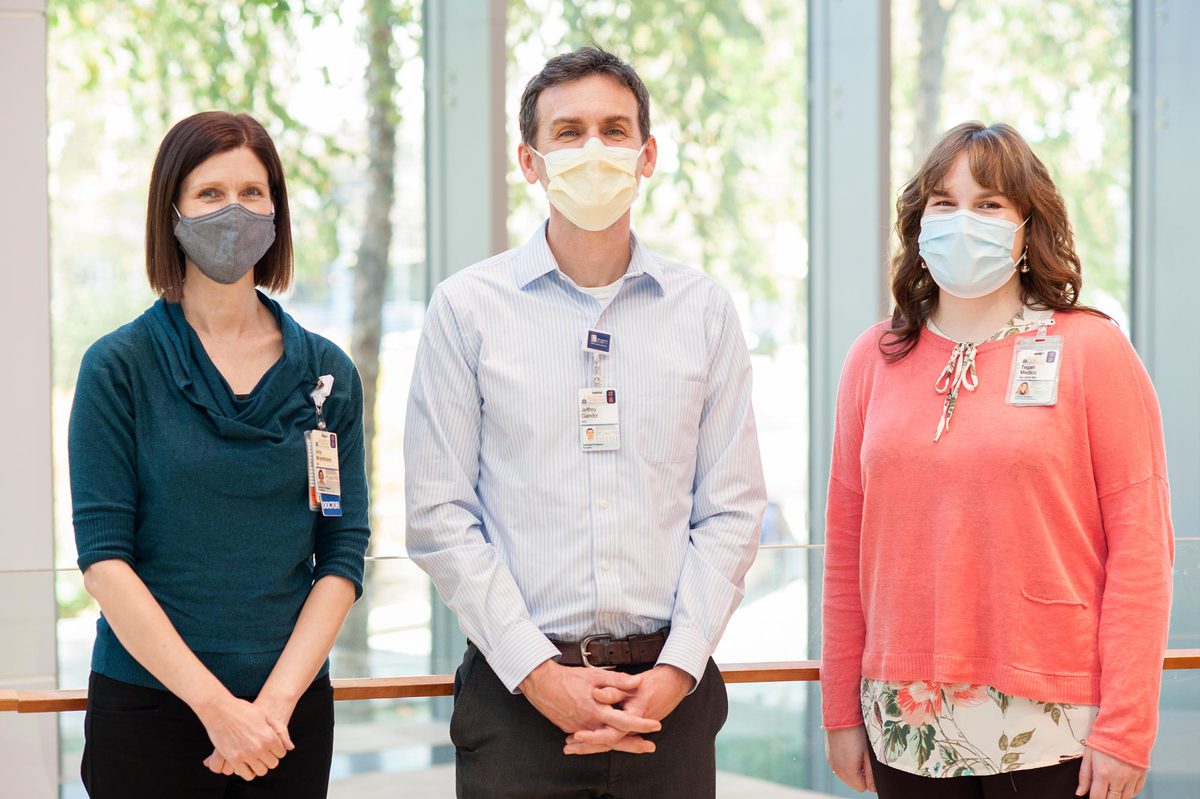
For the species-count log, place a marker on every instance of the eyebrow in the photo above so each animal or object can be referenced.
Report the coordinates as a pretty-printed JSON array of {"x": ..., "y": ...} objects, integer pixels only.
[
  {"x": 220, "y": 184},
  {"x": 557, "y": 121},
  {"x": 986, "y": 194}
]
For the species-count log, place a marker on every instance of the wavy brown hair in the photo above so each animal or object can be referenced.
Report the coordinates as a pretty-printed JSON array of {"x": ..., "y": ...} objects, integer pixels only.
[{"x": 1000, "y": 160}]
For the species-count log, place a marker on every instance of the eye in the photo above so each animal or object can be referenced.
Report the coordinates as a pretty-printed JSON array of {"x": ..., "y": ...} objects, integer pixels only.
[
  {"x": 208, "y": 194},
  {"x": 254, "y": 192},
  {"x": 566, "y": 134},
  {"x": 990, "y": 205},
  {"x": 614, "y": 133},
  {"x": 946, "y": 203}
]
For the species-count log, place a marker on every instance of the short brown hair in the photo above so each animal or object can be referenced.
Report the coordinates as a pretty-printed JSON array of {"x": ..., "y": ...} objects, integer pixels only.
[
  {"x": 188, "y": 144},
  {"x": 569, "y": 67},
  {"x": 1000, "y": 160}
]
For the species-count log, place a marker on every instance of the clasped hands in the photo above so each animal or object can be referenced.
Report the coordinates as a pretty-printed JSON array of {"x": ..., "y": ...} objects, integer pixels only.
[
  {"x": 603, "y": 710},
  {"x": 249, "y": 738}
]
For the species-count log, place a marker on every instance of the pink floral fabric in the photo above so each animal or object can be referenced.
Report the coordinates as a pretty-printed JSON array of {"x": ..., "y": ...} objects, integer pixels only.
[{"x": 938, "y": 729}]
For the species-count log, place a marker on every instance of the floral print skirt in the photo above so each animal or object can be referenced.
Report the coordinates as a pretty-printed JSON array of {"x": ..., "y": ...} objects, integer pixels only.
[{"x": 938, "y": 729}]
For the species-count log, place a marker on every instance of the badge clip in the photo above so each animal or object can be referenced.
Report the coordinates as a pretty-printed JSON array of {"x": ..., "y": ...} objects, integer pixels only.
[{"x": 319, "y": 394}]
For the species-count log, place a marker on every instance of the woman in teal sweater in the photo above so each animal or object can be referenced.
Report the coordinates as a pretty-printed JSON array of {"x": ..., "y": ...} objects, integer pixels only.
[{"x": 223, "y": 571}]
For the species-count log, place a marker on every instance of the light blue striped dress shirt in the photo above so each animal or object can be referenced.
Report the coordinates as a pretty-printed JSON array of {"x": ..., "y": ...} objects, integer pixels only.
[{"x": 524, "y": 534}]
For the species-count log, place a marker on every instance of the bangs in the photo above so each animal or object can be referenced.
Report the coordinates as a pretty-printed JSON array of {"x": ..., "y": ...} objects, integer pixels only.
[
  {"x": 1001, "y": 163},
  {"x": 998, "y": 159}
]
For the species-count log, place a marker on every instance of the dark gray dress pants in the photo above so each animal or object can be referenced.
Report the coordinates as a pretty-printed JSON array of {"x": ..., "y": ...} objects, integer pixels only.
[{"x": 506, "y": 749}]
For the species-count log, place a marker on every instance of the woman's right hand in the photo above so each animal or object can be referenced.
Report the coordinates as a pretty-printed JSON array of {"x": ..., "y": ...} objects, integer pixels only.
[
  {"x": 846, "y": 751},
  {"x": 243, "y": 736}
]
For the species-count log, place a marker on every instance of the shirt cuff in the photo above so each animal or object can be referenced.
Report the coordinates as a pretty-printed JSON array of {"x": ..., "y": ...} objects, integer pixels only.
[
  {"x": 686, "y": 649},
  {"x": 522, "y": 650}
]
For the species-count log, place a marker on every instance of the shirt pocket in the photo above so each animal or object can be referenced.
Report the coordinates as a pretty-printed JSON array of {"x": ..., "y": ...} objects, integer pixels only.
[{"x": 668, "y": 421}]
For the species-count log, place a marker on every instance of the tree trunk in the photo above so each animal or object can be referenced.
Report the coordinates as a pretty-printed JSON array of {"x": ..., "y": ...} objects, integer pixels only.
[
  {"x": 934, "y": 17},
  {"x": 371, "y": 274}
]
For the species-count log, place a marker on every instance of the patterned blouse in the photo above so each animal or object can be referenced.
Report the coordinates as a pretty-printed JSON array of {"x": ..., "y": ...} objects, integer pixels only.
[{"x": 953, "y": 729}]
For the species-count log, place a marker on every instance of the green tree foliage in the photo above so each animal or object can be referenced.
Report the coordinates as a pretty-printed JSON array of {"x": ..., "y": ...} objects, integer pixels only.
[
  {"x": 727, "y": 86},
  {"x": 121, "y": 73},
  {"x": 1058, "y": 71}
]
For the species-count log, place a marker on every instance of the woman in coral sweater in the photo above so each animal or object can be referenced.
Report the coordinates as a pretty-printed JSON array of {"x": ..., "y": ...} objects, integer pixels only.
[{"x": 999, "y": 545}]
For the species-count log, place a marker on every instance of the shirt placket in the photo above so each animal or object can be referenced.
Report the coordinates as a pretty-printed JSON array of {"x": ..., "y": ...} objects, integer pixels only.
[{"x": 603, "y": 495}]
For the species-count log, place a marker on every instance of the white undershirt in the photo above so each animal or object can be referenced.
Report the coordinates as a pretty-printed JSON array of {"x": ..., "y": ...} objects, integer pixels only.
[{"x": 604, "y": 294}]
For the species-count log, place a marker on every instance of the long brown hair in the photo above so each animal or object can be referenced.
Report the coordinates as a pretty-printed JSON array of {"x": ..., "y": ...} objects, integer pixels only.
[{"x": 1000, "y": 160}]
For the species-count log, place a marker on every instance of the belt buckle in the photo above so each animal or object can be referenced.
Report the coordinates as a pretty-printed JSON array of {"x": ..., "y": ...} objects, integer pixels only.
[{"x": 583, "y": 650}]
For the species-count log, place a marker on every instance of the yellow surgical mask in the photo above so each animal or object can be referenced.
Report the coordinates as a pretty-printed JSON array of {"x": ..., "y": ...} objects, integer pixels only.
[{"x": 592, "y": 185}]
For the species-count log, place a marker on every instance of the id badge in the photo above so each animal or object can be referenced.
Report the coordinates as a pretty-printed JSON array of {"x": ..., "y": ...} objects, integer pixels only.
[
  {"x": 324, "y": 478},
  {"x": 1036, "y": 366},
  {"x": 599, "y": 420}
]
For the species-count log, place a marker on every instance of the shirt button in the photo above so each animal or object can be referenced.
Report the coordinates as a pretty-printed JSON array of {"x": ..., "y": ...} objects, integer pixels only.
[
  {"x": 604, "y": 503},
  {"x": 596, "y": 379},
  {"x": 604, "y": 565}
]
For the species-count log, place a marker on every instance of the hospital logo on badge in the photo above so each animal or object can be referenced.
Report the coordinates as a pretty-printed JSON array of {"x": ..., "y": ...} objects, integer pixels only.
[{"x": 598, "y": 341}]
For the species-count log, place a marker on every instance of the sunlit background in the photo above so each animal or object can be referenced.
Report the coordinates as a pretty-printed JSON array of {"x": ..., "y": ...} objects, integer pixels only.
[{"x": 728, "y": 81}]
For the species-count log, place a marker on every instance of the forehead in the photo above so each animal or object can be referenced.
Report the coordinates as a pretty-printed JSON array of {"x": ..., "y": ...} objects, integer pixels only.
[
  {"x": 961, "y": 178},
  {"x": 239, "y": 164},
  {"x": 595, "y": 97}
]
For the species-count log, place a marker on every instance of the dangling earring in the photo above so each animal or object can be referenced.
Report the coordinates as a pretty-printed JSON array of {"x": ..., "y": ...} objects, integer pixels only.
[{"x": 1025, "y": 261}]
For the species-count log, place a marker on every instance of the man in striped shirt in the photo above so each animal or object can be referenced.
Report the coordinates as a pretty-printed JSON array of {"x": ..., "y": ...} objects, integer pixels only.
[{"x": 583, "y": 477}]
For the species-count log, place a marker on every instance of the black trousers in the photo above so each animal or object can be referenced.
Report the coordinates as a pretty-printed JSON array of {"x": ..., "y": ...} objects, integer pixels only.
[
  {"x": 146, "y": 744},
  {"x": 505, "y": 748},
  {"x": 1051, "y": 782}
]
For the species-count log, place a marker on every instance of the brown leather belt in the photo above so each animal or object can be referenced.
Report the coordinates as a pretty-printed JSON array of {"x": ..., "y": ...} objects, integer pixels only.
[{"x": 606, "y": 652}]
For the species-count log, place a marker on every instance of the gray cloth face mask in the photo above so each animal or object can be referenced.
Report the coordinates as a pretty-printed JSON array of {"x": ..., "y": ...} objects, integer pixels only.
[{"x": 227, "y": 243}]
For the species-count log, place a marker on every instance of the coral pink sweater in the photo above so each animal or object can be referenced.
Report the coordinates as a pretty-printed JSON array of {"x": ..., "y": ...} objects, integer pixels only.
[{"x": 1029, "y": 549}]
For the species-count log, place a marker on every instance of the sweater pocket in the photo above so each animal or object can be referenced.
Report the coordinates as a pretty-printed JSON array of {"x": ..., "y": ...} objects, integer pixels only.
[{"x": 1056, "y": 631}]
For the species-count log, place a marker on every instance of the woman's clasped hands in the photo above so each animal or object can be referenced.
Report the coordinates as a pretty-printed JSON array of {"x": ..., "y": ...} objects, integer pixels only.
[{"x": 249, "y": 738}]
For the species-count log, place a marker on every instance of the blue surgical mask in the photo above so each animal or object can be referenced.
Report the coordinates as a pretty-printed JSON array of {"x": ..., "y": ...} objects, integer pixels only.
[
  {"x": 968, "y": 255},
  {"x": 227, "y": 243}
]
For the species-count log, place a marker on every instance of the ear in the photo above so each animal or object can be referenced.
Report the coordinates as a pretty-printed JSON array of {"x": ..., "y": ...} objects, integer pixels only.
[
  {"x": 649, "y": 157},
  {"x": 529, "y": 163}
]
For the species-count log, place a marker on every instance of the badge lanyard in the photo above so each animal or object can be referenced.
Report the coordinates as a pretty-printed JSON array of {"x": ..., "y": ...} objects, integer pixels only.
[
  {"x": 324, "y": 479},
  {"x": 599, "y": 414}
]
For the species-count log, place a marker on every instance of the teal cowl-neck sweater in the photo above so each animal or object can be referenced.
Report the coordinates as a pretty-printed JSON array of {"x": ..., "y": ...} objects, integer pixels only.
[{"x": 205, "y": 494}]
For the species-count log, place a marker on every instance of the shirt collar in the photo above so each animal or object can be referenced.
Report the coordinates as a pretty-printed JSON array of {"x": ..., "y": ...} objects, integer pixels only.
[{"x": 535, "y": 260}]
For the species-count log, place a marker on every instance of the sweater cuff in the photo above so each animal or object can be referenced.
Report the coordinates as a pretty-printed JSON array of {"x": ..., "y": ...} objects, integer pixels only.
[
  {"x": 335, "y": 568},
  {"x": 107, "y": 537},
  {"x": 1131, "y": 753},
  {"x": 841, "y": 695},
  {"x": 686, "y": 649},
  {"x": 522, "y": 650}
]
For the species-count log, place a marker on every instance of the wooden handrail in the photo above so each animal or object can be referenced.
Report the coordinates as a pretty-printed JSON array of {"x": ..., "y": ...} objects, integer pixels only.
[{"x": 443, "y": 684}]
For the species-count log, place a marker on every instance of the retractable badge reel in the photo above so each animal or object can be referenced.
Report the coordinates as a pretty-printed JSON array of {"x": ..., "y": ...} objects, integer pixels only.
[
  {"x": 599, "y": 410},
  {"x": 324, "y": 480},
  {"x": 1037, "y": 359}
]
